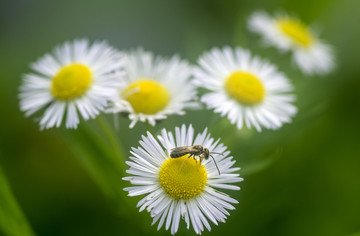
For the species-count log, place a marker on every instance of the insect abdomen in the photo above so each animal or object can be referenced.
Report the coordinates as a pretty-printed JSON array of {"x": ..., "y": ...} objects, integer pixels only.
[{"x": 177, "y": 154}]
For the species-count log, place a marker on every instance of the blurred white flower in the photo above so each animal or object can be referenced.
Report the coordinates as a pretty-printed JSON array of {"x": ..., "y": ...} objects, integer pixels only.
[
  {"x": 76, "y": 77},
  {"x": 286, "y": 33},
  {"x": 154, "y": 88}
]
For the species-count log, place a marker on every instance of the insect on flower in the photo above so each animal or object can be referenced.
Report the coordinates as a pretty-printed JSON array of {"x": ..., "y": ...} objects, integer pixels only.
[
  {"x": 196, "y": 150},
  {"x": 176, "y": 190}
]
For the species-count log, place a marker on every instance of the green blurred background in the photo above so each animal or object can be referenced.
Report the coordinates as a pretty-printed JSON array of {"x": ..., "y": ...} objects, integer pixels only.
[{"x": 303, "y": 179}]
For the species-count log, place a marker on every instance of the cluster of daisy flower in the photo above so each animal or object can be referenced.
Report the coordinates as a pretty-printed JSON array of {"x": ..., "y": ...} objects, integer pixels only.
[{"x": 79, "y": 78}]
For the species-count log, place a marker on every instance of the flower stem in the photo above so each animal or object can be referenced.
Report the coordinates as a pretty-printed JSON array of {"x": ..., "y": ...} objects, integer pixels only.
[
  {"x": 114, "y": 141},
  {"x": 97, "y": 147}
]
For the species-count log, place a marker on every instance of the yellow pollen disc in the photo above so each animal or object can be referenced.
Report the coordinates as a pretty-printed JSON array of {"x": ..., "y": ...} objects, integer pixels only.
[
  {"x": 71, "y": 81},
  {"x": 146, "y": 96},
  {"x": 183, "y": 177},
  {"x": 245, "y": 88},
  {"x": 297, "y": 31}
]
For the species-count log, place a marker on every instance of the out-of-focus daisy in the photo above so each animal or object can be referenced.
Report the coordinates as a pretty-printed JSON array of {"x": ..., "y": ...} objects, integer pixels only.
[
  {"x": 154, "y": 88},
  {"x": 286, "y": 33},
  {"x": 182, "y": 187},
  {"x": 246, "y": 89},
  {"x": 76, "y": 78}
]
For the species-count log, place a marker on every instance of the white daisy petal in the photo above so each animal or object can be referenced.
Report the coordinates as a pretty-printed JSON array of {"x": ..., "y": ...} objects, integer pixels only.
[
  {"x": 170, "y": 195},
  {"x": 163, "y": 218},
  {"x": 139, "y": 190},
  {"x": 197, "y": 226},
  {"x": 203, "y": 207},
  {"x": 149, "y": 198},
  {"x": 176, "y": 221},
  {"x": 170, "y": 215},
  {"x": 161, "y": 207}
]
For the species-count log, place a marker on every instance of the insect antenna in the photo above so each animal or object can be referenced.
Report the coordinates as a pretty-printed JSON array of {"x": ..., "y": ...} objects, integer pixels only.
[
  {"x": 222, "y": 154},
  {"x": 215, "y": 164}
]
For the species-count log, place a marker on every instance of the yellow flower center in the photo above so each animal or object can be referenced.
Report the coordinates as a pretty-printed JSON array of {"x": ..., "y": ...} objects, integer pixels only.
[
  {"x": 146, "y": 96},
  {"x": 71, "y": 81},
  {"x": 297, "y": 31},
  {"x": 183, "y": 177},
  {"x": 245, "y": 88}
]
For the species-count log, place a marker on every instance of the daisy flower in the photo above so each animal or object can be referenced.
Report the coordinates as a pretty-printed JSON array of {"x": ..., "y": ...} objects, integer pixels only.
[
  {"x": 154, "y": 88},
  {"x": 245, "y": 88},
  {"x": 75, "y": 78},
  {"x": 286, "y": 33},
  {"x": 182, "y": 187}
]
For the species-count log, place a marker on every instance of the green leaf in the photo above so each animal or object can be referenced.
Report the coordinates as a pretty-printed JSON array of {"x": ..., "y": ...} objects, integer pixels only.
[{"x": 12, "y": 220}]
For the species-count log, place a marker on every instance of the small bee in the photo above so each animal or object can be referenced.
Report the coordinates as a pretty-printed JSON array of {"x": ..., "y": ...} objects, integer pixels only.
[{"x": 196, "y": 150}]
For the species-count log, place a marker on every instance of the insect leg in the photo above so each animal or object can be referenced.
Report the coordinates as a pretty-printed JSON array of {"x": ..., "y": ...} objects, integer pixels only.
[{"x": 185, "y": 160}]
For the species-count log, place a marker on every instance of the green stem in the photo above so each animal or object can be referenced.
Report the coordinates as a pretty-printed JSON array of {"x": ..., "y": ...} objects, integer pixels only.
[
  {"x": 96, "y": 146},
  {"x": 114, "y": 141},
  {"x": 148, "y": 127}
]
